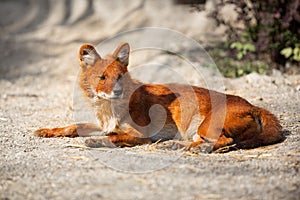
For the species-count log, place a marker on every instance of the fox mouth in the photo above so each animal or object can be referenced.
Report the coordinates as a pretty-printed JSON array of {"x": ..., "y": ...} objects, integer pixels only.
[
  {"x": 115, "y": 96},
  {"x": 103, "y": 95}
]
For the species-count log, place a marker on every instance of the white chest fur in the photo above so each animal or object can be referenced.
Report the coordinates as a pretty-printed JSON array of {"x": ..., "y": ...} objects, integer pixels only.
[{"x": 107, "y": 121}]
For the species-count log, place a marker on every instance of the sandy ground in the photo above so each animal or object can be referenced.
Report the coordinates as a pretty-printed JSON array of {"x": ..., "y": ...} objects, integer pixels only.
[{"x": 37, "y": 79}]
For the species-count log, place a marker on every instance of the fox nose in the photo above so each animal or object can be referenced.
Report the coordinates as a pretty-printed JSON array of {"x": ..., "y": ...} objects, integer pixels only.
[
  {"x": 118, "y": 89},
  {"x": 118, "y": 92}
]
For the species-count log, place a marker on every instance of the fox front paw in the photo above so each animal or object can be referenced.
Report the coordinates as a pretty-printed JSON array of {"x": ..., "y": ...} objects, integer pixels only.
[
  {"x": 44, "y": 132},
  {"x": 172, "y": 145},
  {"x": 200, "y": 148},
  {"x": 99, "y": 142}
]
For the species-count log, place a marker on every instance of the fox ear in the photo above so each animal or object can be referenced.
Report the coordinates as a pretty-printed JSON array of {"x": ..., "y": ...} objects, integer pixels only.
[
  {"x": 87, "y": 55},
  {"x": 122, "y": 53}
]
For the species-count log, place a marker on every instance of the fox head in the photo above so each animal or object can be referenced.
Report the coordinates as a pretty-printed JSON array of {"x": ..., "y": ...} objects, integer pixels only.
[{"x": 102, "y": 77}]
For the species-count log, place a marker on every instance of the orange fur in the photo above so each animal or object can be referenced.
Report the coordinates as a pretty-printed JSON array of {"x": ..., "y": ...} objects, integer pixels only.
[{"x": 123, "y": 107}]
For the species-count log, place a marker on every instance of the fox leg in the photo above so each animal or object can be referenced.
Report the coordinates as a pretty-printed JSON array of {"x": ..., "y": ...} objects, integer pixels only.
[
  {"x": 73, "y": 130},
  {"x": 209, "y": 133},
  {"x": 223, "y": 141},
  {"x": 117, "y": 140}
]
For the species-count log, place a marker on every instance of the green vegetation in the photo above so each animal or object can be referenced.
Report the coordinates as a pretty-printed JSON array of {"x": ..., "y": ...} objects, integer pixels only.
[
  {"x": 242, "y": 48},
  {"x": 270, "y": 38},
  {"x": 231, "y": 67},
  {"x": 290, "y": 53}
]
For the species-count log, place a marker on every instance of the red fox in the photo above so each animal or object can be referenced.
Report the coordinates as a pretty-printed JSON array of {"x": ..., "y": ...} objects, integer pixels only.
[{"x": 123, "y": 108}]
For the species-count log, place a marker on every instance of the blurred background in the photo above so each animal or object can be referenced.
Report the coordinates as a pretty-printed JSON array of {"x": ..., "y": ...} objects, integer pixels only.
[{"x": 241, "y": 36}]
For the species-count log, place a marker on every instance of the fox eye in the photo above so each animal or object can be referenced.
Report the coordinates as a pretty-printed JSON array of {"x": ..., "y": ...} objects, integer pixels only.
[{"x": 102, "y": 77}]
